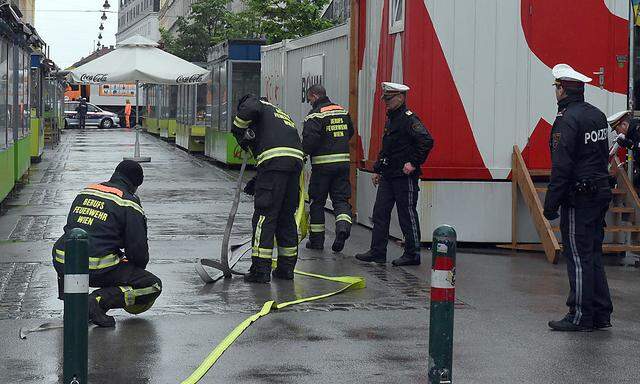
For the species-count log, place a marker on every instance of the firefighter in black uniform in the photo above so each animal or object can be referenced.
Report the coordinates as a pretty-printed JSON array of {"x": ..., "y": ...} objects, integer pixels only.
[
  {"x": 628, "y": 137},
  {"x": 112, "y": 216},
  {"x": 325, "y": 138},
  {"x": 405, "y": 146},
  {"x": 272, "y": 137},
  {"x": 580, "y": 188}
]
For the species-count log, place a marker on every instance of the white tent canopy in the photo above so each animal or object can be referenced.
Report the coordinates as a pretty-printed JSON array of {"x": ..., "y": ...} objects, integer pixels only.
[{"x": 138, "y": 59}]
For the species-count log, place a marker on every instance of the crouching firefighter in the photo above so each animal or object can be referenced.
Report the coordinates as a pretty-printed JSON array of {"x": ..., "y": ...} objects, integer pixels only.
[
  {"x": 113, "y": 218},
  {"x": 272, "y": 137},
  {"x": 325, "y": 137}
]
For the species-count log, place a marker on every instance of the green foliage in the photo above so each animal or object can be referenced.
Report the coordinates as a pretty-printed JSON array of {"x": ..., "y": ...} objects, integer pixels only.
[
  {"x": 277, "y": 20},
  {"x": 204, "y": 27},
  {"x": 274, "y": 20}
]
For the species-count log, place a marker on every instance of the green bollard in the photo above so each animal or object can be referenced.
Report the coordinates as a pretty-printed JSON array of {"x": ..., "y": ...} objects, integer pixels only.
[
  {"x": 443, "y": 295},
  {"x": 76, "y": 313}
]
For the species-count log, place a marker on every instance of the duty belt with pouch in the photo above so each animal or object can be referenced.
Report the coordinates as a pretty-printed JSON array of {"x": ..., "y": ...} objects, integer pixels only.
[{"x": 586, "y": 189}]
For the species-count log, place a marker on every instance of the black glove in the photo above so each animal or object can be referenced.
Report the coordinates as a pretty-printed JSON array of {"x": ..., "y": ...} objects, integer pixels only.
[
  {"x": 624, "y": 142},
  {"x": 250, "y": 188},
  {"x": 550, "y": 215}
]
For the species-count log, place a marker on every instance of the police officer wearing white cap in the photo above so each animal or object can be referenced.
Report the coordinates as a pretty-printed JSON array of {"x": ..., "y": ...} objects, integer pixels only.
[
  {"x": 580, "y": 188},
  {"x": 405, "y": 146},
  {"x": 626, "y": 128}
]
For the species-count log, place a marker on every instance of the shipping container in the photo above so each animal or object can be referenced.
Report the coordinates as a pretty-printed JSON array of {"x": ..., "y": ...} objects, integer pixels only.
[
  {"x": 480, "y": 79},
  {"x": 290, "y": 67}
]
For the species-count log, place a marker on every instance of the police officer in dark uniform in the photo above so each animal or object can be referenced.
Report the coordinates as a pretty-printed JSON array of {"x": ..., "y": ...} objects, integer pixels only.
[
  {"x": 628, "y": 137},
  {"x": 580, "y": 188},
  {"x": 405, "y": 146},
  {"x": 82, "y": 110},
  {"x": 112, "y": 216},
  {"x": 325, "y": 138},
  {"x": 272, "y": 137}
]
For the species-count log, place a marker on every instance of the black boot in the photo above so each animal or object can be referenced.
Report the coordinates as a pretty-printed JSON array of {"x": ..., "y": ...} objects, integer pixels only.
[
  {"x": 316, "y": 240},
  {"x": 285, "y": 268},
  {"x": 343, "y": 230},
  {"x": 370, "y": 257},
  {"x": 260, "y": 271},
  {"x": 406, "y": 260},
  {"x": 97, "y": 315},
  {"x": 567, "y": 325}
]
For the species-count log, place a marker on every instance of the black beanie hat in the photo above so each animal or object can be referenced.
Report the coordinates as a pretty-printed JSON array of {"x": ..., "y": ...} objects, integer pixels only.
[{"x": 132, "y": 171}]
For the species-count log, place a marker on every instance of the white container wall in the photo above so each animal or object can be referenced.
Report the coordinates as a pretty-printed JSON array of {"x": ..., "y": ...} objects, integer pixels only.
[{"x": 290, "y": 67}]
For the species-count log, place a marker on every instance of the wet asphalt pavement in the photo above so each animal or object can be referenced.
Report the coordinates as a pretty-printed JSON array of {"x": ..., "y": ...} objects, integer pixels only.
[{"x": 375, "y": 335}]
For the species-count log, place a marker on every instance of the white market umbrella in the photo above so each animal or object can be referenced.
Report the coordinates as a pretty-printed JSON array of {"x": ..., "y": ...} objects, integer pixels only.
[{"x": 138, "y": 59}]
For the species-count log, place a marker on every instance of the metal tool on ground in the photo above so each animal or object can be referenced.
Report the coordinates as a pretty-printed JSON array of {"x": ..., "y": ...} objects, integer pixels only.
[
  {"x": 443, "y": 295},
  {"x": 136, "y": 150},
  {"x": 231, "y": 252},
  {"x": 40, "y": 328},
  {"x": 76, "y": 313}
]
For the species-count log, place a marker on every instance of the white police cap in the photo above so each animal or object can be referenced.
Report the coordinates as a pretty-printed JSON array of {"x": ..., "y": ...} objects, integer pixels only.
[
  {"x": 614, "y": 119},
  {"x": 565, "y": 72},
  {"x": 394, "y": 87}
]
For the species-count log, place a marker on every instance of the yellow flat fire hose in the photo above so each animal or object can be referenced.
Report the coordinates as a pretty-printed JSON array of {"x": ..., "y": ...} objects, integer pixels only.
[{"x": 352, "y": 282}]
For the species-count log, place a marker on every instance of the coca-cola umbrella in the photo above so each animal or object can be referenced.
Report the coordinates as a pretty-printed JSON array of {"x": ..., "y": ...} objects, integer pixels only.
[{"x": 138, "y": 60}]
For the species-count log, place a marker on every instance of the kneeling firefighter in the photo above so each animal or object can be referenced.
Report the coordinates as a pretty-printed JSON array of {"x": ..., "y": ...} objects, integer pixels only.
[
  {"x": 113, "y": 218},
  {"x": 272, "y": 137}
]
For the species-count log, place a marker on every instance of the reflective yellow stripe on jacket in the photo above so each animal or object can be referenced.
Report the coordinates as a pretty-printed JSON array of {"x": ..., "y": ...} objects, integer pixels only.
[
  {"x": 328, "y": 159},
  {"x": 279, "y": 152},
  {"x": 240, "y": 123},
  {"x": 94, "y": 262}
]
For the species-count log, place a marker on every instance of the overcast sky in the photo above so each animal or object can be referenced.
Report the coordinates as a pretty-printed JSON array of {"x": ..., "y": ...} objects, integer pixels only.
[{"x": 71, "y": 31}]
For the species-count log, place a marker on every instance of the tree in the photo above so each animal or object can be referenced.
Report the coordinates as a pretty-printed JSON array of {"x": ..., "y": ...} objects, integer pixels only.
[
  {"x": 204, "y": 27},
  {"x": 210, "y": 22},
  {"x": 277, "y": 20}
]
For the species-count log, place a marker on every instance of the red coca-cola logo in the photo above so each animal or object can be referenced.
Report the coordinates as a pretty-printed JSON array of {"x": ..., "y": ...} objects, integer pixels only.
[
  {"x": 184, "y": 79},
  {"x": 97, "y": 78}
]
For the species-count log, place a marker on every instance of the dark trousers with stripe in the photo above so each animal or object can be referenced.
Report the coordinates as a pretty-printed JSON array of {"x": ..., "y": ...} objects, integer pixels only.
[
  {"x": 275, "y": 201},
  {"x": 331, "y": 182},
  {"x": 582, "y": 230},
  {"x": 403, "y": 193},
  {"x": 124, "y": 286}
]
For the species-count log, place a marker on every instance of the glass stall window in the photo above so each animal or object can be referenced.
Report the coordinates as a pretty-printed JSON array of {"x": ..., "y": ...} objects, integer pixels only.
[
  {"x": 173, "y": 101},
  {"x": 245, "y": 79},
  {"x": 20, "y": 80},
  {"x": 179, "y": 105},
  {"x": 35, "y": 93},
  {"x": 215, "y": 98},
  {"x": 26, "y": 88},
  {"x": 11, "y": 96},
  {"x": 224, "y": 97},
  {"x": 4, "y": 111}
]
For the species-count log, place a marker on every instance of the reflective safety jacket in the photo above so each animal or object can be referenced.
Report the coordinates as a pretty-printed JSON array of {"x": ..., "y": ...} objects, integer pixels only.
[
  {"x": 326, "y": 134},
  {"x": 405, "y": 140},
  {"x": 277, "y": 144},
  {"x": 114, "y": 220}
]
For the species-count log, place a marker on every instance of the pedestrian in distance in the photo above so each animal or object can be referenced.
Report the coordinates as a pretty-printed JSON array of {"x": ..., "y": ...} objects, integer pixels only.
[
  {"x": 405, "y": 147},
  {"x": 112, "y": 216},
  {"x": 325, "y": 138},
  {"x": 271, "y": 135},
  {"x": 81, "y": 110},
  {"x": 580, "y": 188},
  {"x": 127, "y": 113}
]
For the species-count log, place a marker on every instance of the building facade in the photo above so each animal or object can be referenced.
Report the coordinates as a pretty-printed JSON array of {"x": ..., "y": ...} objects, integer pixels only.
[
  {"x": 27, "y": 9},
  {"x": 138, "y": 17}
]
